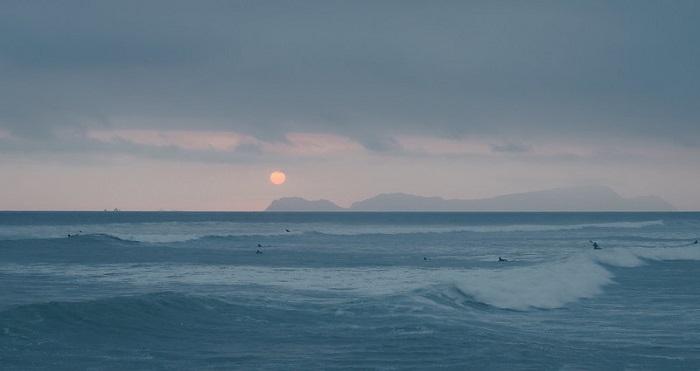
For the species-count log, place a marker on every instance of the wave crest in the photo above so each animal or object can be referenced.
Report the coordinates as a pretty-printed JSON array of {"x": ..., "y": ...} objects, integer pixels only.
[
  {"x": 168, "y": 232},
  {"x": 545, "y": 286},
  {"x": 555, "y": 284}
]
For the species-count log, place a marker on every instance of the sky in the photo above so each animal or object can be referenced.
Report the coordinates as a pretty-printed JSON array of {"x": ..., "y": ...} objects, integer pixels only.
[{"x": 190, "y": 105}]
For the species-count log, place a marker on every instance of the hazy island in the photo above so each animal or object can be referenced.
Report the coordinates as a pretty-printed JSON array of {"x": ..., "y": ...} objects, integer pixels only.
[{"x": 586, "y": 198}]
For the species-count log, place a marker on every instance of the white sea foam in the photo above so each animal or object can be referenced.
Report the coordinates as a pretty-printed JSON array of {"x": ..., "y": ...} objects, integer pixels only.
[
  {"x": 547, "y": 285},
  {"x": 636, "y": 256},
  {"x": 555, "y": 284}
]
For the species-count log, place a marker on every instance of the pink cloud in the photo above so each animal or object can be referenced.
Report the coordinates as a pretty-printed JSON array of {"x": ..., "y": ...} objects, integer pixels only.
[
  {"x": 487, "y": 146},
  {"x": 310, "y": 144},
  {"x": 185, "y": 139},
  {"x": 296, "y": 144}
]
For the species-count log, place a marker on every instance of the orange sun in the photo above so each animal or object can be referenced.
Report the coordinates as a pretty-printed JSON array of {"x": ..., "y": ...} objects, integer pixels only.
[{"x": 277, "y": 178}]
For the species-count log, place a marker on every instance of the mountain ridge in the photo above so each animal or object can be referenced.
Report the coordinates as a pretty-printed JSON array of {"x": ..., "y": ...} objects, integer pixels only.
[
  {"x": 301, "y": 204},
  {"x": 581, "y": 198}
]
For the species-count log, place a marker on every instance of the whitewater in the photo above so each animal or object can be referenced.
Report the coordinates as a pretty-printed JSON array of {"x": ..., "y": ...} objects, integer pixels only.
[{"x": 349, "y": 290}]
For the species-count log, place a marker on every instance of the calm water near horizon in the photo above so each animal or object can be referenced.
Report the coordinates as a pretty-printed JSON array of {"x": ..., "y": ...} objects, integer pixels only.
[{"x": 187, "y": 290}]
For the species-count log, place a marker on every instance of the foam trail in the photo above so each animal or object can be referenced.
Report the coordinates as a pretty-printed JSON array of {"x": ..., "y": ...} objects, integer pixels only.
[{"x": 636, "y": 256}]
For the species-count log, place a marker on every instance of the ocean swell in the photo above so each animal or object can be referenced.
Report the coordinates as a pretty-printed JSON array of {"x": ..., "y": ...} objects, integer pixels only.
[
  {"x": 168, "y": 232},
  {"x": 516, "y": 286}
]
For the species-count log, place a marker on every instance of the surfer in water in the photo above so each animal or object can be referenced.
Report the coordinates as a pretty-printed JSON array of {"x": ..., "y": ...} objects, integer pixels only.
[
  {"x": 75, "y": 234},
  {"x": 258, "y": 252},
  {"x": 287, "y": 230},
  {"x": 696, "y": 242},
  {"x": 500, "y": 259},
  {"x": 595, "y": 245},
  {"x": 259, "y": 245}
]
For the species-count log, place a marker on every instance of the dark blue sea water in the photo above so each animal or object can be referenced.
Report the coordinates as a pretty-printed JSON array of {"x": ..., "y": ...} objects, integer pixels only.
[{"x": 349, "y": 291}]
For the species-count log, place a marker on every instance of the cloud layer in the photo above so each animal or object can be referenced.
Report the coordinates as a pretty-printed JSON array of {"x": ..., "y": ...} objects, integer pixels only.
[{"x": 278, "y": 83}]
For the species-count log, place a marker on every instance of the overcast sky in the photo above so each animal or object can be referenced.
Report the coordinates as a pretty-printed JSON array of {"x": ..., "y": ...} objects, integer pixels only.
[{"x": 190, "y": 105}]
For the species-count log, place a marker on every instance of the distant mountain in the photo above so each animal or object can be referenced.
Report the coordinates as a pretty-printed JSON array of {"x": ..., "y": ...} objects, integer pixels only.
[
  {"x": 300, "y": 204},
  {"x": 405, "y": 202},
  {"x": 588, "y": 198}
]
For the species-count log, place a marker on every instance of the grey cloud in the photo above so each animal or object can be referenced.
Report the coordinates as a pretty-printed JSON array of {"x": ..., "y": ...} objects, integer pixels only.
[
  {"x": 365, "y": 70},
  {"x": 72, "y": 148},
  {"x": 379, "y": 143}
]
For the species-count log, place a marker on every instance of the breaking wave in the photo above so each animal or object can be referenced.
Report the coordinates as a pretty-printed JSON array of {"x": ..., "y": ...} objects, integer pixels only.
[
  {"x": 546, "y": 285},
  {"x": 555, "y": 284}
]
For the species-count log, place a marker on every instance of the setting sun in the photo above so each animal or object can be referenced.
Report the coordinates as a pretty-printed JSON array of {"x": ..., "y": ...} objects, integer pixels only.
[{"x": 278, "y": 178}]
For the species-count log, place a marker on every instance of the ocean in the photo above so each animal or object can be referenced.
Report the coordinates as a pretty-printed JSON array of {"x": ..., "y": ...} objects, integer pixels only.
[{"x": 302, "y": 291}]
